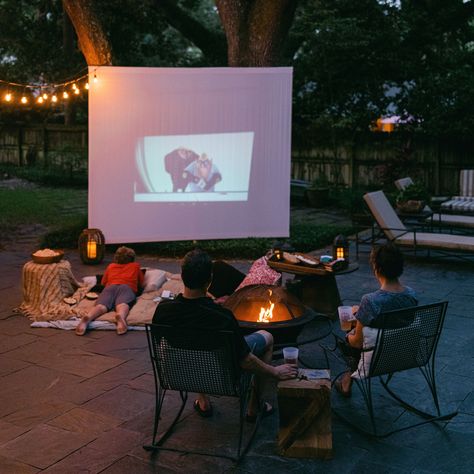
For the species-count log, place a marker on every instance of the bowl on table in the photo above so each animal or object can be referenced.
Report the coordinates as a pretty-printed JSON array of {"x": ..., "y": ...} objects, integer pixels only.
[{"x": 46, "y": 256}]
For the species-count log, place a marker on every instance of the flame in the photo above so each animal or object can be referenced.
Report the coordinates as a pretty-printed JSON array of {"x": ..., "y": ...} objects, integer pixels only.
[{"x": 266, "y": 314}]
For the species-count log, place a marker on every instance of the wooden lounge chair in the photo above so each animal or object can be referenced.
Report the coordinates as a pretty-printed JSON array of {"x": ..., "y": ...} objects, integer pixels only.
[
  {"x": 395, "y": 231},
  {"x": 460, "y": 221}
]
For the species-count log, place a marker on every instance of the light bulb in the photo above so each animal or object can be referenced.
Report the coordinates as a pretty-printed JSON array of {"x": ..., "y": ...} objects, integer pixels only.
[
  {"x": 8, "y": 97},
  {"x": 74, "y": 86},
  {"x": 76, "y": 91},
  {"x": 24, "y": 100},
  {"x": 40, "y": 99},
  {"x": 65, "y": 95},
  {"x": 54, "y": 98},
  {"x": 45, "y": 96},
  {"x": 87, "y": 85},
  {"x": 95, "y": 79}
]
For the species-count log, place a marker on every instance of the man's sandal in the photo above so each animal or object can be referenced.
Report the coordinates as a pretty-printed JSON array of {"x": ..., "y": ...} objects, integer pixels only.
[{"x": 204, "y": 413}]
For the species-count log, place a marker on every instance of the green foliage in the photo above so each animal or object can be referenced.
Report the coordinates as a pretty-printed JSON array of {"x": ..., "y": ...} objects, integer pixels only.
[
  {"x": 61, "y": 174},
  {"x": 413, "y": 192}
]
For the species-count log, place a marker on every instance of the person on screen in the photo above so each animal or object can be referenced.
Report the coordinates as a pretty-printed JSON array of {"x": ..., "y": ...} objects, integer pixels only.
[
  {"x": 175, "y": 164},
  {"x": 202, "y": 175},
  {"x": 122, "y": 280},
  {"x": 193, "y": 308}
]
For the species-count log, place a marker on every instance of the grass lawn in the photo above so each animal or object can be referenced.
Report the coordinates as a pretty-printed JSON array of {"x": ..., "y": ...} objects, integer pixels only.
[{"x": 64, "y": 212}]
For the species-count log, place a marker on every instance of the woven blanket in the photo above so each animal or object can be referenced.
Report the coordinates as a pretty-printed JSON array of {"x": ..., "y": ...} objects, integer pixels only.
[{"x": 44, "y": 289}]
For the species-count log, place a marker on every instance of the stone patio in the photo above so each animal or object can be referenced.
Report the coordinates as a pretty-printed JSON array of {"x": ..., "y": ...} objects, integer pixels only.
[{"x": 73, "y": 404}]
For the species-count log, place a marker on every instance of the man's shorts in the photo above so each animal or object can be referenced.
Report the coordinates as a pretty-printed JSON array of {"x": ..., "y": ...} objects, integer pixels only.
[
  {"x": 257, "y": 343},
  {"x": 114, "y": 295}
]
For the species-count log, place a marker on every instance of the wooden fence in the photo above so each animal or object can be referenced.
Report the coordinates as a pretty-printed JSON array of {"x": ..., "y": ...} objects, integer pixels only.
[
  {"x": 373, "y": 159},
  {"x": 49, "y": 145}
]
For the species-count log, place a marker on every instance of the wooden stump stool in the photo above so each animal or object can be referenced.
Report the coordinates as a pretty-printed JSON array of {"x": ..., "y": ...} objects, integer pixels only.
[{"x": 305, "y": 418}]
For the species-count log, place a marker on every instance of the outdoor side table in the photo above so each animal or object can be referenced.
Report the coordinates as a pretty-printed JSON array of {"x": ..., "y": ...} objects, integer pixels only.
[
  {"x": 44, "y": 288},
  {"x": 316, "y": 287},
  {"x": 305, "y": 418}
]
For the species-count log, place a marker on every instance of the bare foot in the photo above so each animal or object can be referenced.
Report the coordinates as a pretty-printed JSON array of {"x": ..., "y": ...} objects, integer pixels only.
[
  {"x": 121, "y": 325},
  {"x": 81, "y": 328}
]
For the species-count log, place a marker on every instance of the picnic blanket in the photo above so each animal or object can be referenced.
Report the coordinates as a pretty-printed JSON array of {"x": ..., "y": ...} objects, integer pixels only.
[{"x": 46, "y": 286}]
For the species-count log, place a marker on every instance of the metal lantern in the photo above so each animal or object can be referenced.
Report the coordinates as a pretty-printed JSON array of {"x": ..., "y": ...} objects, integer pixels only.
[
  {"x": 340, "y": 248},
  {"x": 91, "y": 246}
]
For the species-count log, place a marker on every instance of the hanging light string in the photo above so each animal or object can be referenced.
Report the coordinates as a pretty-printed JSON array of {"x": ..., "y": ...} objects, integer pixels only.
[{"x": 41, "y": 93}]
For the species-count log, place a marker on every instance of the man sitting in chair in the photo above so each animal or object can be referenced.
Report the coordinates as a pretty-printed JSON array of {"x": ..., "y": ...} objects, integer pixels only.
[{"x": 194, "y": 308}]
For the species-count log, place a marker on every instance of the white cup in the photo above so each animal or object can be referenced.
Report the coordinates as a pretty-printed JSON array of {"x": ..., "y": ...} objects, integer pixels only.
[
  {"x": 290, "y": 354},
  {"x": 345, "y": 317}
]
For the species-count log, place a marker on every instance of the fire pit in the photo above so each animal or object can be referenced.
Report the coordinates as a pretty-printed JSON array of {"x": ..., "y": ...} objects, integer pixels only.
[{"x": 271, "y": 308}]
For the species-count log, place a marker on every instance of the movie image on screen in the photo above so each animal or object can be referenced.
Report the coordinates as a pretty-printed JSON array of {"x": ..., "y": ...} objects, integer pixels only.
[{"x": 194, "y": 168}]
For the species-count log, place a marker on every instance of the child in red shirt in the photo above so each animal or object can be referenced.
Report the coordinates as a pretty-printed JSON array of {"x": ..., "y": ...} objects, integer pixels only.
[{"x": 122, "y": 280}]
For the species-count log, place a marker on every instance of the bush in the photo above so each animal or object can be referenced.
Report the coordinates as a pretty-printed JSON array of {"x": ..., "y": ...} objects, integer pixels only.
[{"x": 303, "y": 237}]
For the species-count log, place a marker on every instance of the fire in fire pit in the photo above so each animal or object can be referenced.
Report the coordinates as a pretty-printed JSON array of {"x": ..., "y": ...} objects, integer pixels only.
[{"x": 271, "y": 308}]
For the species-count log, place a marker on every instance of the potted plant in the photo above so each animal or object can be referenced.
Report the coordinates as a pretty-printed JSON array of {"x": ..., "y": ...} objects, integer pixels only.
[
  {"x": 413, "y": 198},
  {"x": 318, "y": 193}
]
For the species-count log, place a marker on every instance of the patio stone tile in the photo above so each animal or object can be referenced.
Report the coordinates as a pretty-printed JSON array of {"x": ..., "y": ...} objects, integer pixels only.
[
  {"x": 7, "y": 366},
  {"x": 9, "y": 343},
  {"x": 80, "y": 420},
  {"x": 122, "y": 402},
  {"x": 14, "y": 325},
  {"x": 99, "y": 454},
  {"x": 8, "y": 431},
  {"x": 455, "y": 455},
  {"x": 143, "y": 382},
  {"x": 127, "y": 347},
  {"x": 462, "y": 423},
  {"x": 467, "y": 406},
  {"x": 14, "y": 467},
  {"x": 136, "y": 466},
  {"x": 35, "y": 414},
  {"x": 43, "y": 446},
  {"x": 71, "y": 360},
  {"x": 27, "y": 386}
]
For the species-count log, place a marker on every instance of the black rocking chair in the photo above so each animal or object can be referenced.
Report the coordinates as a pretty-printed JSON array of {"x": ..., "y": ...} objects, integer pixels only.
[
  {"x": 201, "y": 361},
  {"x": 405, "y": 339}
]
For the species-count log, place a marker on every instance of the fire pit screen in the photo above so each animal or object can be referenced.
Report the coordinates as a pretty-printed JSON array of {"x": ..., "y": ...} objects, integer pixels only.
[{"x": 271, "y": 308}]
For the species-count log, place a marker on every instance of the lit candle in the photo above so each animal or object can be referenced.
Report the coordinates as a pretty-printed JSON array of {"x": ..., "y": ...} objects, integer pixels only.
[{"x": 91, "y": 249}]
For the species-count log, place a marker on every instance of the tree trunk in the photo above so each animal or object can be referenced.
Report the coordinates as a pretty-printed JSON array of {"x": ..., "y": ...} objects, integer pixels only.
[
  {"x": 93, "y": 41},
  {"x": 256, "y": 30},
  {"x": 68, "y": 50}
]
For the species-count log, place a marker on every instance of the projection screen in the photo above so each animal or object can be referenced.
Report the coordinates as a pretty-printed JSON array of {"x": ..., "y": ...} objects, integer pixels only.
[{"x": 189, "y": 154}]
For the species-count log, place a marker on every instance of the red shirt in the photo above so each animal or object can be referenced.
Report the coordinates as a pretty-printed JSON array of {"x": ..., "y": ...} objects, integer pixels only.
[{"x": 123, "y": 274}]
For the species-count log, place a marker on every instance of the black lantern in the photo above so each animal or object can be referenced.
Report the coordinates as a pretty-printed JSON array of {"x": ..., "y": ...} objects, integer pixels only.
[
  {"x": 91, "y": 246},
  {"x": 340, "y": 248}
]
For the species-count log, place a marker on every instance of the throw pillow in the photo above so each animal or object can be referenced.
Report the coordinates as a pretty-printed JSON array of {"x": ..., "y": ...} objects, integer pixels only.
[
  {"x": 153, "y": 280},
  {"x": 260, "y": 274}
]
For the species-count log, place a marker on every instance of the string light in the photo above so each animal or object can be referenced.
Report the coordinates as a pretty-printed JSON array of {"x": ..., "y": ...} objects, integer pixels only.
[{"x": 40, "y": 93}]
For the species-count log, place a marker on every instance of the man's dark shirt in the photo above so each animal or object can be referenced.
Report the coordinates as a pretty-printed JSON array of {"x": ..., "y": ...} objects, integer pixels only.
[{"x": 202, "y": 313}]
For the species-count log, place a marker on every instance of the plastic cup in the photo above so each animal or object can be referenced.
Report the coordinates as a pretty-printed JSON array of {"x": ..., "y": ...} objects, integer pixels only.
[
  {"x": 345, "y": 317},
  {"x": 290, "y": 354}
]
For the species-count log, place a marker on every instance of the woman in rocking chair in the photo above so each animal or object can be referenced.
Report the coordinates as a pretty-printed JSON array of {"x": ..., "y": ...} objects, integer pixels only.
[{"x": 387, "y": 265}]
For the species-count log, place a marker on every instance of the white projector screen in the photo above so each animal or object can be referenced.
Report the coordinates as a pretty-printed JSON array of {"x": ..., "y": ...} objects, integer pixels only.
[{"x": 189, "y": 154}]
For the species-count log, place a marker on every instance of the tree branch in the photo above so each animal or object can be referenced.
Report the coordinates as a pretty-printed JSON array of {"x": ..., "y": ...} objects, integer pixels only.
[
  {"x": 92, "y": 39},
  {"x": 212, "y": 44}
]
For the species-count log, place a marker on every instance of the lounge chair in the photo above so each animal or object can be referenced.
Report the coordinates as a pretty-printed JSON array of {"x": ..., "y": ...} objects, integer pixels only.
[
  {"x": 395, "y": 231},
  {"x": 464, "y": 203},
  {"x": 443, "y": 220}
]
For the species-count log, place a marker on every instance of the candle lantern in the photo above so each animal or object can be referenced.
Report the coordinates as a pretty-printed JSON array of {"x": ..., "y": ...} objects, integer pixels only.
[
  {"x": 91, "y": 246},
  {"x": 340, "y": 248}
]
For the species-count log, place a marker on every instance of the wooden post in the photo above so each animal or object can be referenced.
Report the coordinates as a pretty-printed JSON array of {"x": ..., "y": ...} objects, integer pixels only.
[{"x": 305, "y": 418}]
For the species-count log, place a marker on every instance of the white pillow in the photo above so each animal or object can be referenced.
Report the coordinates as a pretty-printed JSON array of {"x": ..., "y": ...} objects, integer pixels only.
[
  {"x": 370, "y": 337},
  {"x": 154, "y": 279},
  {"x": 90, "y": 281}
]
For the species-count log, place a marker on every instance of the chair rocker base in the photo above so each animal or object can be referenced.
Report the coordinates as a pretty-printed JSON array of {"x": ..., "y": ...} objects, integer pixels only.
[
  {"x": 158, "y": 445},
  {"x": 429, "y": 417}
]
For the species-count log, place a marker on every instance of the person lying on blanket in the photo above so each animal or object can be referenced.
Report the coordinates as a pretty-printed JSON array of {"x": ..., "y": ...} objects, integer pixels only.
[{"x": 122, "y": 280}]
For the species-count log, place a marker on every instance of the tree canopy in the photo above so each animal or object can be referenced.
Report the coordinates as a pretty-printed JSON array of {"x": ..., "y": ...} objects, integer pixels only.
[{"x": 353, "y": 61}]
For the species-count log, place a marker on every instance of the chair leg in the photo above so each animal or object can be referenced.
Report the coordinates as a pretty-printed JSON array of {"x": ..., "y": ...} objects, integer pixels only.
[{"x": 158, "y": 444}]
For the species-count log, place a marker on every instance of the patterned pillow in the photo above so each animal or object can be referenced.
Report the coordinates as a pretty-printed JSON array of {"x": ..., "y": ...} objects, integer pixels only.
[{"x": 260, "y": 274}]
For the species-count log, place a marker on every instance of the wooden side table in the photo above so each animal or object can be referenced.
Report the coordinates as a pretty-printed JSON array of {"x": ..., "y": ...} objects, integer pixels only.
[{"x": 305, "y": 418}]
